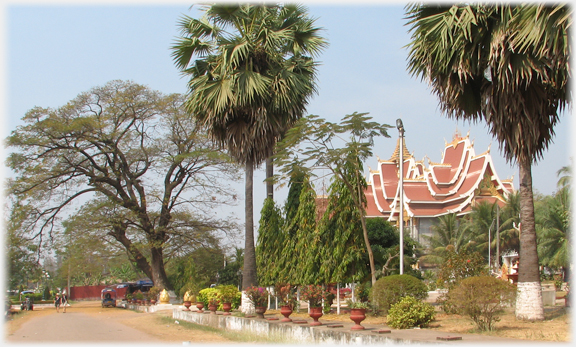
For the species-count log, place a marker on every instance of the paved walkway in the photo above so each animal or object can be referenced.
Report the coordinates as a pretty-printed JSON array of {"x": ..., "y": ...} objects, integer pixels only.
[{"x": 77, "y": 327}]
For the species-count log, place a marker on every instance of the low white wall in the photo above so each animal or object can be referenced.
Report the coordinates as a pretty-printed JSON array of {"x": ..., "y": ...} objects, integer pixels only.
[{"x": 286, "y": 333}]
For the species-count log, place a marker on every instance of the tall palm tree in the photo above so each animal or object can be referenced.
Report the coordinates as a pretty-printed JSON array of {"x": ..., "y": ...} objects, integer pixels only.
[
  {"x": 507, "y": 65},
  {"x": 252, "y": 79}
]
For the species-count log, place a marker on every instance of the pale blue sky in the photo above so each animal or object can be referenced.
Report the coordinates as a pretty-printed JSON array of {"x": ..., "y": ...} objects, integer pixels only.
[{"x": 54, "y": 52}]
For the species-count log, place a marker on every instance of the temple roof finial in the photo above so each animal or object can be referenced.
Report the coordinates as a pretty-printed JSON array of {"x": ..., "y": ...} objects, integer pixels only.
[{"x": 396, "y": 155}]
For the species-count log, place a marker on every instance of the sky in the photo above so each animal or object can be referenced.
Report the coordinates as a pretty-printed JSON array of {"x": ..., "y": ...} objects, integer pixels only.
[{"x": 54, "y": 51}]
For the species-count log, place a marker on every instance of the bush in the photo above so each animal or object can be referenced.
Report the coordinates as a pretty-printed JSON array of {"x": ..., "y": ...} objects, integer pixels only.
[
  {"x": 410, "y": 312},
  {"x": 481, "y": 298},
  {"x": 227, "y": 292},
  {"x": 35, "y": 297},
  {"x": 206, "y": 295},
  {"x": 390, "y": 289},
  {"x": 458, "y": 266}
]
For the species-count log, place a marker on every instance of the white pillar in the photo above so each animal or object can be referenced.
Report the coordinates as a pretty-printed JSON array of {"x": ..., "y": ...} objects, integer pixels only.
[{"x": 338, "y": 298}]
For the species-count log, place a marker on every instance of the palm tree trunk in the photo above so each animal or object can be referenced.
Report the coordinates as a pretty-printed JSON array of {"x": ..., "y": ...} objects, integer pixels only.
[
  {"x": 529, "y": 305},
  {"x": 249, "y": 272},
  {"x": 269, "y": 174}
]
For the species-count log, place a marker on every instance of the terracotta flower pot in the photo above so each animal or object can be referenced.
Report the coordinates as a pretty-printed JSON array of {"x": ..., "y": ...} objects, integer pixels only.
[
  {"x": 286, "y": 311},
  {"x": 227, "y": 307},
  {"x": 357, "y": 315},
  {"x": 315, "y": 313},
  {"x": 200, "y": 306},
  {"x": 212, "y": 308},
  {"x": 260, "y": 311},
  {"x": 152, "y": 302},
  {"x": 187, "y": 304}
]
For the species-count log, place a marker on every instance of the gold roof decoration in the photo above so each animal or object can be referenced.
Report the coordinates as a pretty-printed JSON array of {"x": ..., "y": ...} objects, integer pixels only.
[
  {"x": 396, "y": 155},
  {"x": 431, "y": 163}
]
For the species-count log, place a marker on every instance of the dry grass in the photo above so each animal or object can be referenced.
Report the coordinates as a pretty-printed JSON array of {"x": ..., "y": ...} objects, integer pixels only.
[{"x": 555, "y": 327}]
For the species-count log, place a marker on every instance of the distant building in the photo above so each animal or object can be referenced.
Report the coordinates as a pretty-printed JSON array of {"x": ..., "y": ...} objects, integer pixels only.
[{"x": 454, "y": 185}]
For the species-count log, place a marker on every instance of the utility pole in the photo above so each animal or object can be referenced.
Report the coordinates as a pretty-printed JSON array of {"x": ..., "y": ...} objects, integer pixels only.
[
  {"x": 400, "y": 127},
  {"x": 497, "y": 236}
]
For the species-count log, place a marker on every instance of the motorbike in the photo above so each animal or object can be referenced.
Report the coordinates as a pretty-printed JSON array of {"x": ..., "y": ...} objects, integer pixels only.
[{"x": 27, "y": 305}]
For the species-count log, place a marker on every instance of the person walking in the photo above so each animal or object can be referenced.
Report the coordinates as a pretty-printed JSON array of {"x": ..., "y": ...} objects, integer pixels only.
[
  {"x": 57, "y": 302},
  {"x": 64, "y": 300}
]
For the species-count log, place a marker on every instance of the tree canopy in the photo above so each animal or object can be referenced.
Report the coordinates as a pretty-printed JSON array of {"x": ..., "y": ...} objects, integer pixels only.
[
  {"x": 135, "y": 154},
  {"x": 315, "y": 144},
  {"x": 253, "y": 78}
]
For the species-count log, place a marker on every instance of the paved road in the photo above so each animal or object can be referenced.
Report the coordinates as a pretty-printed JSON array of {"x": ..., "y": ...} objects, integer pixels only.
[{"x": 77, "y": 327}]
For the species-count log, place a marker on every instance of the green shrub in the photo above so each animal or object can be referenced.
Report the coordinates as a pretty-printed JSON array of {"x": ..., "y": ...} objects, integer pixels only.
[
  {"x": 481, "y": 298},
  {"x": 362, "y": 292},
  {"x": 34, "y": 296},
  {"x": 205, "y": 295},
  {"x": 410, "y": 312},
  {"x": 390, "y": 289},
  {"x": 458, "y": 266}
]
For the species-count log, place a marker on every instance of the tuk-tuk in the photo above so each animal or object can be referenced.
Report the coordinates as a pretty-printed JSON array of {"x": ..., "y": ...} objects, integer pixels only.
[{"x": 108, "y": 296}]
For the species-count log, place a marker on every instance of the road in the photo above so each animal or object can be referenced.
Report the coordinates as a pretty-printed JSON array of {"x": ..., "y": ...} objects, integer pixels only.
[
  {"x": 76, "y": 326},
  {"x": 88, "y": 322}
]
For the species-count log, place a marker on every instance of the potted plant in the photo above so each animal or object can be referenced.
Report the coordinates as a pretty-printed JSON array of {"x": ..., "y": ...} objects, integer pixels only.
[
  {"x": 213, "y": 303},
  {"x": 359, "y": 307},
  {"x": 153, "y": 294},
  {"x": 259, "y": 297},
  {"x": 287, "y": 300},
  {"x": 139, "y": 297},
  {"x": 313, "y": 293},
  {"x": 227, "y": 293},
  {"x": 357, "y": 313},
  {"x": 129, "y": 297},
  {"x": 209, "y": 297}
]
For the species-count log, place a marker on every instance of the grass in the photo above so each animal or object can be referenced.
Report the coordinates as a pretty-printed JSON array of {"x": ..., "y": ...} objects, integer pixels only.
[{"x": 237, "y": 336}]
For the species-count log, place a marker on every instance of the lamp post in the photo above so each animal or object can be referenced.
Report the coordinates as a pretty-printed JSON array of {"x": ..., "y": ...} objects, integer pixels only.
[
  {"x": 239, "y": 273},
  {"x": 400, "y": 127}
]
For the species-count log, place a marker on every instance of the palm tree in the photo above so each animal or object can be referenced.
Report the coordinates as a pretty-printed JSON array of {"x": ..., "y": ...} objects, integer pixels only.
[
  {"x": 553, "y": 230},
  {"x": 508, "y": 65},
  {"x": 252, "y": 80},
  {"x": 565, "y": 174},
  {"x": 510, "y": 222},
  {"x": 482, "y": 224},
  {"x": 448, "y": 233}
]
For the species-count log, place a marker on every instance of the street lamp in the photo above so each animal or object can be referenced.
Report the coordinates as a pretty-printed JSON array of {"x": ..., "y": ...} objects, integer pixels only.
[
  {"x": 239, "y": 273},
  {"x": 400, "y": 127}
]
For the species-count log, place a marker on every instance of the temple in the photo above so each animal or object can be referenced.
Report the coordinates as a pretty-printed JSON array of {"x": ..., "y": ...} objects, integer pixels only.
[{"x": 461, "y": 180}]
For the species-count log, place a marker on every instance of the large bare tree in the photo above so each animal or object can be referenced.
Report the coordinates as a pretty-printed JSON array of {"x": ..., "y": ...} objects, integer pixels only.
[{"x": 155, "y": 175}]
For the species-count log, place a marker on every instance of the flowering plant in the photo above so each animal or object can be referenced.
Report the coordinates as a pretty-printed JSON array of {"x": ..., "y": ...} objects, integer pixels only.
[
  {"x": 313, "y": 293},
  {"x": 213, "y": 301},
  {"x": 286, "y": 295},
  {"x": 257, "y": 295}
]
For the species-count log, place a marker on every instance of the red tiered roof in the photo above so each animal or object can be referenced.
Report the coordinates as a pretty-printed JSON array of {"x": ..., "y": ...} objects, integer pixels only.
[{"x": 451, "y": 186}]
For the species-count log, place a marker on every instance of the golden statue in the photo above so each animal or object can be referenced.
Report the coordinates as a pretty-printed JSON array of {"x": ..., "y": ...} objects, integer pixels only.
[
  {"x": 188, "y": 296},
  {"x": 164, "y": 297}
]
